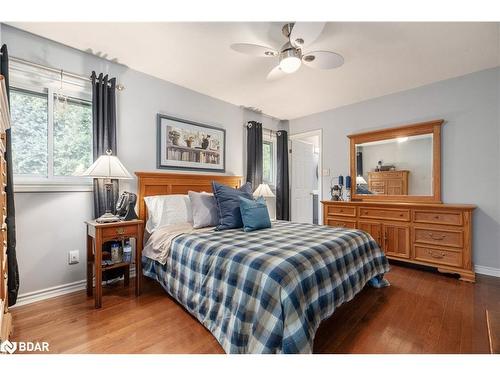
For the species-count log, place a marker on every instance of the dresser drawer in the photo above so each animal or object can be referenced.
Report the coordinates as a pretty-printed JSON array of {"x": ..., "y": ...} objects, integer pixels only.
[
  {"x": 340, "y": 222},
  {"x": 438, "y": 255},
  {"x": 119, "y": 231},
  {"x": 384, "y": 213},
  {"x": 439, "y": 237},
  {"x": 433, "y": 217},
  {"x": 341, "y": 211}
]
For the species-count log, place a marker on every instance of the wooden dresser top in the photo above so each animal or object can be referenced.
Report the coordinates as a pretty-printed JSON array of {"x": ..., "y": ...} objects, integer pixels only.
[{"x": 404, "y": 204}]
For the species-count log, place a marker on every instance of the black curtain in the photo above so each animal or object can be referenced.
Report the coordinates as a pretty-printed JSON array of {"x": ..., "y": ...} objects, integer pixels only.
[
  {"x": 13, "y": 270},
  {"x": 359, "y": 164},
  {"x": 282, "y": 183},
  {"x": 254, "y": 153},
  {"x": 104, "y": 133}
]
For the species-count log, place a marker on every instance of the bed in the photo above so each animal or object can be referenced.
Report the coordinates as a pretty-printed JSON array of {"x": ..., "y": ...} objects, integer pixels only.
[{"x": 265, "y": 291}]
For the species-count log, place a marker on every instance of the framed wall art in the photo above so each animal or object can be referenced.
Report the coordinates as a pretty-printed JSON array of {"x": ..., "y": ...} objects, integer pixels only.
[{"x": 189, "y": 145}]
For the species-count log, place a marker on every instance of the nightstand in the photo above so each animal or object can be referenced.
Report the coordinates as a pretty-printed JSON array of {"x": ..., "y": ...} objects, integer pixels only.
[{"x": 97, "y": 235}]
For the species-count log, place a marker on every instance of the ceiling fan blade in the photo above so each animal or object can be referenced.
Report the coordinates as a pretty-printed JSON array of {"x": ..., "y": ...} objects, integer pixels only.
[
  {"x": 323, "y": 60},
  {"x": 275, "y": 74},
  {"x": 305, "y": 33},
  {"x": 254, "y": 49}
]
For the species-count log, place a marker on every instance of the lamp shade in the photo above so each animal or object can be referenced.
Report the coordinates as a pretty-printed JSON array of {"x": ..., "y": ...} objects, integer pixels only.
[
  {"x": 263, "y": 190},
  {"x": 108, "y": 166},
  {"x": 360, "y": 180}
]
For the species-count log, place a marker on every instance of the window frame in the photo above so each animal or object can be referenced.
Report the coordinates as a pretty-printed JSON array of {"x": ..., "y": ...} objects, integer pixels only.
[
  {"x": 271, "y": 139},
  {"x": 51, "y": 182}
]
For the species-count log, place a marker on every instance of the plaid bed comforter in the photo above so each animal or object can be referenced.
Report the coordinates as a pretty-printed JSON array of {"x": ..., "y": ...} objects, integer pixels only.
[{"x": 267, "y": 291}]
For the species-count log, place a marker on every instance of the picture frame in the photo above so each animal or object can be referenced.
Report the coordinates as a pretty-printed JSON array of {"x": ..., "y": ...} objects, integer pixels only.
[{"x": 188, "y": 145}]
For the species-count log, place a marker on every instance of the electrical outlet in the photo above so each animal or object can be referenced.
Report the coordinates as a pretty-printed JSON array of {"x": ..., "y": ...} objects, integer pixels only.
[{"x": 74, "y": 257}]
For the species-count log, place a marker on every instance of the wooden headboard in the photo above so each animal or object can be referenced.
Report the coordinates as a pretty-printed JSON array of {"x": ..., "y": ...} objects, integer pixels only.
[{"x": 157, "y": 183}]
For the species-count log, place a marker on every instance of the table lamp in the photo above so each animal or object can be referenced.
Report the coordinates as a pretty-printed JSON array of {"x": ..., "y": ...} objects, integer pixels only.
[
  {"x": 263, "y": 190},
  {"x": 108, "y": 167},
  {"x": 360, "y": 180}
]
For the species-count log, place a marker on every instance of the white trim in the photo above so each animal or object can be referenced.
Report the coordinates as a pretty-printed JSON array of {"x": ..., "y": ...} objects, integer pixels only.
[
  {"x": 485, "y": 270},
  {"x": 319, "y": 133},
  {"x": 47, "y": 188},
  {"x": 54, "y": 291}
]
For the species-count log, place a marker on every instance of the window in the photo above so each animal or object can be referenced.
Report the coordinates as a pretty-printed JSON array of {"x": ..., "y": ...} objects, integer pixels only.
[
  {"x": 51, "y": 137},
  {"x": 269, "y": 160},
  {"x": 29, "y": 116}
]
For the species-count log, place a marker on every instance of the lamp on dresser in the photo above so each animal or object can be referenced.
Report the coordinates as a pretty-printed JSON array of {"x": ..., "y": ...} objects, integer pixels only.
[
  {"x": 360, "y": 180},
  {"x": 108, "y": 167}
]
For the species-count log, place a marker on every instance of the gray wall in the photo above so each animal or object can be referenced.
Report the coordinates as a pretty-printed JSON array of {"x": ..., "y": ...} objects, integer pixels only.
[
  {"x": 470, "y": 148},
  {"x": 51, "y": 224}
]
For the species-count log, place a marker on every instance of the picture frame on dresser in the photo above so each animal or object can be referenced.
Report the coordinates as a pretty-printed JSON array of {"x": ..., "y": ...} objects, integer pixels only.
[{"x": 188, "y": 145}]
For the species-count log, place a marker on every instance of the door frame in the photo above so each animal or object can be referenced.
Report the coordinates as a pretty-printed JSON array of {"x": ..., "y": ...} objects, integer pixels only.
[{"x": 307, "y": 134}]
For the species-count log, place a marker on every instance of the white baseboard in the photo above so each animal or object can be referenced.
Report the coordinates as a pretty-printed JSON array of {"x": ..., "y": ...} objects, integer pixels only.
[
  {"x": 490, "y": 271},
  {"x": 54, "y": 291}
]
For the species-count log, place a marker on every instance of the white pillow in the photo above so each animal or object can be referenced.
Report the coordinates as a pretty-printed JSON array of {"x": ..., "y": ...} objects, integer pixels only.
[{"x": 167, "y": 209}]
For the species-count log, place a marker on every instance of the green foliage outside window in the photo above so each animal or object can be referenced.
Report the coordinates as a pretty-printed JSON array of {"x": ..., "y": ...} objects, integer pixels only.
[
  {"x": 72, "y": 135},
  {"x": 267, "y": 162},
  {"x": 29, "y": 133},
  {"x": 72, "y": 138}
]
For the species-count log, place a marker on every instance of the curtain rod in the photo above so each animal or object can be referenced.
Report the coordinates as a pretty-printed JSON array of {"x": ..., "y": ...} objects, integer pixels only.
[
  {"x": 119, "y": 86},
  {"x": 245, "y": 125}
]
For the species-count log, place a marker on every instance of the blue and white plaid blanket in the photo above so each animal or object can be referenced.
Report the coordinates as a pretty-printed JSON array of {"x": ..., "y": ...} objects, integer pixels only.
[{"x": 267, "y": 291}]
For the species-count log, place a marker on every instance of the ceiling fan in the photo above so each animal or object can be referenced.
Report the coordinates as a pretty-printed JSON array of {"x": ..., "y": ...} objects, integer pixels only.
[{"x": 299, "y": 35}]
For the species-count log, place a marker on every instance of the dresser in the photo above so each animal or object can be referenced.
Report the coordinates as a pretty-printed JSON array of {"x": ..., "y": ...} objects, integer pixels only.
[
  {"x": 436, "y": 235},
  {"x": 5, "y": 317},
  {"x": 388, "y": 182}
]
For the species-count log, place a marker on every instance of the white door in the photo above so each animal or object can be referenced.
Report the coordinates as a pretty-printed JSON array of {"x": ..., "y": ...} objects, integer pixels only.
[{"x": 302, "y": 181}]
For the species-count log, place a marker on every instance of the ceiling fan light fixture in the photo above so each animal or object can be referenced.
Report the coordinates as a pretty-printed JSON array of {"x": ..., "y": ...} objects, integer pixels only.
[{"x": 290, "y": 60}]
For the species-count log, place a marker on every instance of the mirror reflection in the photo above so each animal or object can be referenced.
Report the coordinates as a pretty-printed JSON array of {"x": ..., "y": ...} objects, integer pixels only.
[{"x": 398, "y": 166}]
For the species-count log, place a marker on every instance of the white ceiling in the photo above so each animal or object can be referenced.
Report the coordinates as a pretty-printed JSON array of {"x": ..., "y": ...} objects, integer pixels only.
[{"x": 380, "y": 58}]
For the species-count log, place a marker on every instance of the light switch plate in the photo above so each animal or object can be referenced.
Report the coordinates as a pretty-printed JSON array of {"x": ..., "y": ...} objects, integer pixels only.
[
  {"x": 74, "y": 257},
  {"x": 326, "y": 172}
]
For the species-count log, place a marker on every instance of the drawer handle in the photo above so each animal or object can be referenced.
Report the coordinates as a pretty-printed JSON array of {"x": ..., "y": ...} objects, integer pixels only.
[
  {"x": 437, "y": 237},
  {"x": 401, "y": 215},
  {"x": 436, "y": 217},
  {"x": 437, "y": 256},
  {"x": 341, "y": 210},
  {"x": 120, "y": 230},
  {"x": 366, "y": 212}
]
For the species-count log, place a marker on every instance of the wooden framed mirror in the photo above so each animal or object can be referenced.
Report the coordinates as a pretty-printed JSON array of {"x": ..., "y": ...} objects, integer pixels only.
[{"x": 401, "y": 164}]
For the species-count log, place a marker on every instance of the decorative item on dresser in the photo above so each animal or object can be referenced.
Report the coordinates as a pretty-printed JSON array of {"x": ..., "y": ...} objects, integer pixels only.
[
  {"x": 414, "y": 228},
  {"x": 388, "y": 182},
  {"x": 5, "y": 317}
]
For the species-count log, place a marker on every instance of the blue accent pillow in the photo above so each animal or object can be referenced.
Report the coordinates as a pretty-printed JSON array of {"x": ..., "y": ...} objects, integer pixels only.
[
  {"x": 254, "y": 214},
  {"x": 228, "y": 204}
]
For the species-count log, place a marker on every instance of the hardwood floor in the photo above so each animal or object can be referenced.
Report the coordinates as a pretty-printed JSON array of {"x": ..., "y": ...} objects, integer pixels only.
[{"x": 422, "y": 312}]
